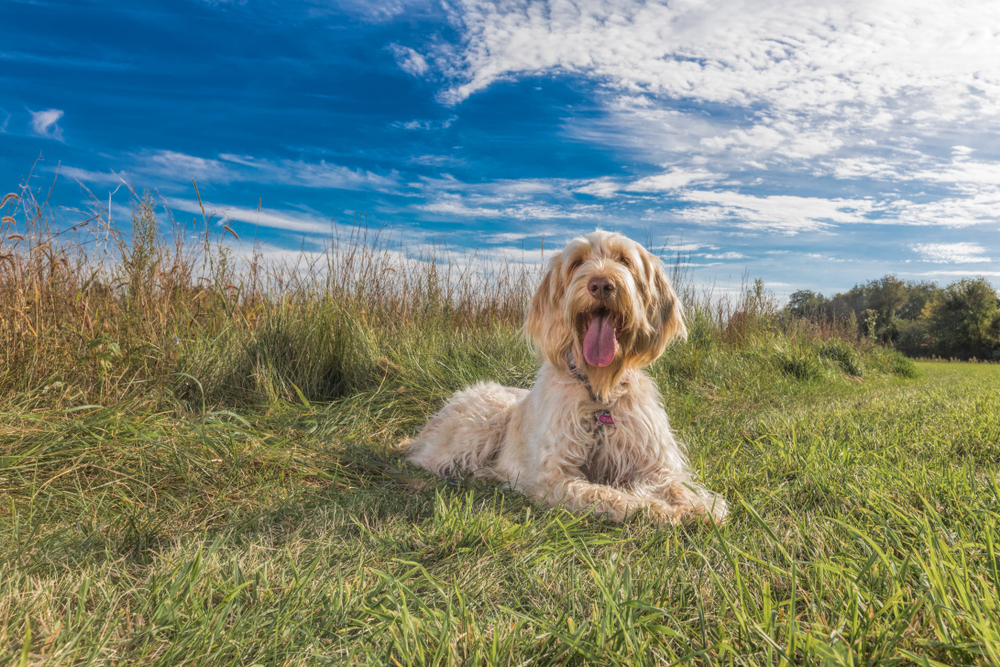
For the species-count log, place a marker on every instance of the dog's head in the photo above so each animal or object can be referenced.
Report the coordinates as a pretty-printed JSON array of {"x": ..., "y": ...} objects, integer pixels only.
[{"x": 606, "y": 299}]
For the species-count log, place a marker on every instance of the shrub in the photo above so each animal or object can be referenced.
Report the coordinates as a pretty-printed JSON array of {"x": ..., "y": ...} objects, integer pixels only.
[
  {"x": 800, "y": 364},
  {"x": 844, "y": 354}
]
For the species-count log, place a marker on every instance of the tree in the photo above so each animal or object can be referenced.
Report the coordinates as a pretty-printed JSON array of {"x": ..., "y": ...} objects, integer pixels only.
[
  {"x": 918, "y": 294},
  {"x": 964, "y": 319},
  {"x": 806, "y": 303}
]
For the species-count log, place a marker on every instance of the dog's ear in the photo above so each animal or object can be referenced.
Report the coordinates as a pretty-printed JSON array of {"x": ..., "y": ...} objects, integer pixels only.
[
  {"x": 543, "y": 326},
  {"x": 664, "y": 311}
]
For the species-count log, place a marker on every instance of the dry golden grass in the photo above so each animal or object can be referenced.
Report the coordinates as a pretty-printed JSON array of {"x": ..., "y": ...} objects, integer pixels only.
[{"x": 97, "y": 312}]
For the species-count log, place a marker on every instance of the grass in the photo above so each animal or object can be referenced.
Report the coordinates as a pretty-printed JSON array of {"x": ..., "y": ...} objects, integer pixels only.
[
  {"x": 197, "y": 467},
  {"x": 863, "y": 531}
]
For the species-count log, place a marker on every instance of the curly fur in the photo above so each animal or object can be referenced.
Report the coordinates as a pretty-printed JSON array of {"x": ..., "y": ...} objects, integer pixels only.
[{"x": 547, "y": 442}]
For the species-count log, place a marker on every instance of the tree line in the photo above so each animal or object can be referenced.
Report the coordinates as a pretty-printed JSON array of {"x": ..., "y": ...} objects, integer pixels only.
[{"x": 961, "y": 320}]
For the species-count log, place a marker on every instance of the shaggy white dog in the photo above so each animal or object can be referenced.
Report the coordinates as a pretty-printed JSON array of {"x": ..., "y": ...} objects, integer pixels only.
[{"x": 591, "y": 433}]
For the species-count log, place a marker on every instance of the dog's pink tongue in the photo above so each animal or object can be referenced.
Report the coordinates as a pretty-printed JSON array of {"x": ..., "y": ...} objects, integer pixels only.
[{"x": 599, "y": 343}]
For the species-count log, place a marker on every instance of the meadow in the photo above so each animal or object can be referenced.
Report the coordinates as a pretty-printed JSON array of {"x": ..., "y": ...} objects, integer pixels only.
[{"x": 197, "y": 467}]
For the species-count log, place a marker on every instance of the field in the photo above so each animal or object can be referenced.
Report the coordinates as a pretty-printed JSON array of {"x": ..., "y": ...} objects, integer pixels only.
[
  {"x": 863, "y": 532},
  {"x": 193, "y": 474}
]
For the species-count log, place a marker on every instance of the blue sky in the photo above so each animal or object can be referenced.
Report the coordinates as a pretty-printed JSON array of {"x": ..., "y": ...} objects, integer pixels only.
[{"x": 814, "y": 145}]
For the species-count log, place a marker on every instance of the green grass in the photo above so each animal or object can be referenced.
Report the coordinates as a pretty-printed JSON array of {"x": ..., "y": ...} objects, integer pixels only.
[
  {"x": 864, "y": 530},
  {"x": 197, "y": 467}
]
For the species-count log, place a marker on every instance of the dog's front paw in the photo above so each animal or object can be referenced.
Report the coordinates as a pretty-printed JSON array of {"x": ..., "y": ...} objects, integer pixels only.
[
  {"x": 661, "y": 513},
  {"x": 709, "y": 511}
]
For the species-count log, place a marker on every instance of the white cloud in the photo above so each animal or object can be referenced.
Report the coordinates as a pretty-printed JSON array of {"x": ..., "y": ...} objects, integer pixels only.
[
  {"x": 671, "y": 180},
  {"x": 600, "y": 187},
  {"x": 865, "y": 167},
  {"x": 307, "y": 174},
  {"x": 725, "y": 255},
  {"x": 951, "y": 253},
  {"x": 783, "y": 138},
  {"x": 509, "y": 238},
  {"x": 962, "y": 274},
  {"x": 409, "y": 60},
  {"x": 963, "y": 172},
  {"x": 734, "y": 85},
  {"x": 6, "y": 121},
  {"x": 477, "y": 207},
  {"x": 520, "y": 199},
  {"x": 291, "y": 221},
  {"x": 792, "y": 54},
  {"x": 181, "y": 168},
  {"x": 979, "y": 208},
  {"x": 825, "y": 258},
  {"x": 94, "y": 177},
  {"x": 686, "y": 247},
  {"x": 426, "y": 125},
  {"x": 437, "y": 160},
  {"x": 499, "y": 190},
  {"x": 46, "y": 123},
  {"x": 667, "y": 181},
  {"x": 380, "y": 10},
  {"x": 777, "y": 213}
]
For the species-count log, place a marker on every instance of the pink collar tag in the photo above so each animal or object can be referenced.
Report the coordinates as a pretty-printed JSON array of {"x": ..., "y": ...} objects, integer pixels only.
[{"x": 605, "y": 418}]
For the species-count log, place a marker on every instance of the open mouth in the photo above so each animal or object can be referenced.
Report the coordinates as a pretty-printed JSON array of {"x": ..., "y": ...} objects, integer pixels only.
[{"x": 600, "y": 340}]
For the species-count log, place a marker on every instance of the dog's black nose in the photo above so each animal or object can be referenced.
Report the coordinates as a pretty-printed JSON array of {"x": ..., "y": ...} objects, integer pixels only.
[{"x": 600, "y": 288}]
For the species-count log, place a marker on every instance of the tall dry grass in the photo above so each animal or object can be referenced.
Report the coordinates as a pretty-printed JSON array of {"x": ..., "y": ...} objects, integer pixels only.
[
  {"x": 157, "y": 310},
  {"x": 104, "y": 312}
]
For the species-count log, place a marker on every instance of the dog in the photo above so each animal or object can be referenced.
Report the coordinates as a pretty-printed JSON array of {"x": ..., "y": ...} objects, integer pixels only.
[{"x": 591, "y": 434}]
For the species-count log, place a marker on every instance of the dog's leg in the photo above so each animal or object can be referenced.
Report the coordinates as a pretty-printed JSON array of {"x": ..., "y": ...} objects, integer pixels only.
[
  {"x": 681, "y": 498},
  {"x": 465, "y": 435},
  {"x": 573, "y": 491}
]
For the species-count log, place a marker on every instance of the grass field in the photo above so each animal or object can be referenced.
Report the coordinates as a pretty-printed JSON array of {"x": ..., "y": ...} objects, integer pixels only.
[
  {"x": 864, "y": 530},
  {"x": 197, "y": 468}
]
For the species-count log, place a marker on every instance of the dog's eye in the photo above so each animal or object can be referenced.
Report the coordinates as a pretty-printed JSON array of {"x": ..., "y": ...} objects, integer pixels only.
[
  {"x": 575, "y": 265},
  {"x": 624, "y": 260}
]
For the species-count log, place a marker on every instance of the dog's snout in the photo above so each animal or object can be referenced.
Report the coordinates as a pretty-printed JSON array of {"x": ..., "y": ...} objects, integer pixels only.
[{"x": 600, "y": 287}]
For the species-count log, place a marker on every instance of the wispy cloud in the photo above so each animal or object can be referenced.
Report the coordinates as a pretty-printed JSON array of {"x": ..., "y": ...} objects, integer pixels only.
[
  {"x": 307, "y": 174},
  {"x": 437, "y": 160},
  {"x": 307, "y": 223},
  {"x": 686, "y": 247},
  {"x": 951, "y": 253},
  {"x": 46, "y": 123},
  {"x": 75, "y": 61},
  {"x": 977, "y": 209},
  {"x": 92, "y": 177},
  {"x": 457, "y": 206},
  {"x": 180, "y": 168},
  {"x": 668, "y": 181},
  {"x": 725, "y": 255},
  {"x": 409, "y": 60},
  {"x": 672, "y": 180},
  {"x": 777, "y": 213},
  {"x": 964, "y": 173},
  {"x": 381, "y": 10},
  {"x": 426, "y": 125}
]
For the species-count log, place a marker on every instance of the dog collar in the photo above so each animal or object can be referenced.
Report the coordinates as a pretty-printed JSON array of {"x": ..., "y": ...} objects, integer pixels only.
[
  {"x": 575, "y": 370},
  {"x": 581, "y": 375}
]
